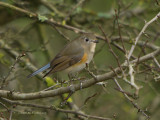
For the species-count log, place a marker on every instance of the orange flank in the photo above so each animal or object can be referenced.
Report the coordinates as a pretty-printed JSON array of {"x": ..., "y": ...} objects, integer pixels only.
[{"x": 83, "y": 60}]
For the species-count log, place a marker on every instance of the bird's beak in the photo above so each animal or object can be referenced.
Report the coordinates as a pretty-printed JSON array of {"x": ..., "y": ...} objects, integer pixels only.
[{"x": 95, "y": 41}]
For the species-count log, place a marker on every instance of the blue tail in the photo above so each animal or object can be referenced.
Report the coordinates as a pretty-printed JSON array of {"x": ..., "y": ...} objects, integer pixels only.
[{"x": 39, "y": 70}]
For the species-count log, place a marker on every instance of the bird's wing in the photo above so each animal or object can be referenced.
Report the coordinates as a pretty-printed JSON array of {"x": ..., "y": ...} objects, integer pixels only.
[{"x": 65, "y": 59}]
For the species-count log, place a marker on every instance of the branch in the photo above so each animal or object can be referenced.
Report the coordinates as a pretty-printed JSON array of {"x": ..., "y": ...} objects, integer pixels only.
[
  {"x": 73, "y": 9},
  {"x": 54, "y": 23},
  {"x": 119, "y": 29},
  {"x": 29, "y": 65},
  {"x": 156, "y": 62},
  {"x": 51, "y": 7},
  {"x": 140, "y": 43},
  {"x": 11, "y": 69},
  {"x": 110, "y": 48},
  {"x": 52, "y": 108},
  {"x": 35, "y": 16},
  {"x": 75, "y": 87},
  {"x": 139, "y": 35},
  {"x": 47, "y": 21},
  {"x": 126, "y": 96}
]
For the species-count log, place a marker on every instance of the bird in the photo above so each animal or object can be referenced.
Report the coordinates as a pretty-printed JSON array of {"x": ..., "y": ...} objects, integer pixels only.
[{"x": 73, "y": 57}]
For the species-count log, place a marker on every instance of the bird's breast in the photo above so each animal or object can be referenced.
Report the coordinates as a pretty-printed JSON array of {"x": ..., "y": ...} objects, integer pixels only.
[
  {"x": 78, "y": 66},
  {"x": 93, "y": 46},
  {"x": 87, "y": 57}
]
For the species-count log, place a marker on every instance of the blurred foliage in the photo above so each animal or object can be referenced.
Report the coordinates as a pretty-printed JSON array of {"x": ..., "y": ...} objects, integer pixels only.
[{"x": 42, "y": 42}]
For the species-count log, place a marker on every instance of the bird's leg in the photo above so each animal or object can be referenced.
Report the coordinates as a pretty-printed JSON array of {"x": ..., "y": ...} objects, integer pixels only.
[
  {"x": 76, "y": 78},
  {"x": 71, "y": 78}
]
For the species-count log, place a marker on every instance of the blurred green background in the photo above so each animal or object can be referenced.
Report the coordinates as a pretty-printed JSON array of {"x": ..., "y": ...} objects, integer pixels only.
[{"x": 41, "y": 42}]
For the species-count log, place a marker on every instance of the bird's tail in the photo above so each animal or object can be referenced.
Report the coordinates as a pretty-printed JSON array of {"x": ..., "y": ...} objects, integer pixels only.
[{"x": 39, "y": 70}]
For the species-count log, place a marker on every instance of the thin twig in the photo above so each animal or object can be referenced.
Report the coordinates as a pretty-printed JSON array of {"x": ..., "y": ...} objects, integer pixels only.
[
  {"x": 10, "y": 116},
  {"x": 11, "y": 69},
  {"x": 110, "y": 48},
  {"x": 61, "y": 33},
  {"x": 62, "y": 90},
  {"x": 49, "y": 5},
  {"x": 87, "y": 83},
  {"x": 4, "y": 106},
  {"x": 88, "y": 98},
  {"x": 126, "y": 96},
  {"x": 35, "y": 16},
  {"x": 156, "y": 62},
  {"x": 141, "y": 52},
  {"x": 91, "y": 73},
  {"x": 149, "y": 45},
  {"x": 29, "y": 65},
  {"x": 73, "y": 9},
  {"x": 119, "y": 31},
  {"x": 51, "y": 22},
  {"x": 52, "y": 108},
  {"x": 65, "y": 99},
  {"x": 42, "y": 41},
  {"x": 121, "y": 48},
  {"x": 157, "y": 2},
  {"x": 114, "y": 71},
  {"x": 141, "y": 32}
]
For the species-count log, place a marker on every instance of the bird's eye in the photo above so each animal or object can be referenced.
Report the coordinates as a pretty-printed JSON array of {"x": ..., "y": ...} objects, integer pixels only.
[{"x": 86, "y": 39}]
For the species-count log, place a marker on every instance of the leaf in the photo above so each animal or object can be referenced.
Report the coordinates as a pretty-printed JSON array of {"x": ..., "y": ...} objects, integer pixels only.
[
  {"x": 3, "y": 60},
  {"x": 131, "y": 41},
  {"x": 63, "y": 22},
  {"x": 42, "y": 18},
  {"x": 69, "y": 99},
  {"x": 78, "y": 10},
  {"x": 53, "y": 14},
  {"x": 104, "y": 15},
  {"x": 49, "y": 81},
  {"x": 1, "y": 55}
]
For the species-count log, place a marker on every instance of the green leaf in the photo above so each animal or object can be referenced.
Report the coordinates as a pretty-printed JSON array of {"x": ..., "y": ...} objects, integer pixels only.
[
  {"x": 104, "y": 15},
  {"x": 3, "y": 60},
  {"x": 53, "y": 14},
  {"x": 1, "y": 55},
  {"x": 42, "y": 18},
  {"x": 49, "y": 81},
  {"x": 69, "y": 99},
  {"x": 63, "y": 22},
  {"x": 78, "y": 10},
  {"x": 131, "y": 41}
]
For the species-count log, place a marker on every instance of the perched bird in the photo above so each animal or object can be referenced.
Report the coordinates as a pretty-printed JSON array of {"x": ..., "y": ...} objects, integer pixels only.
[{"x": 73, "y": 57}]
